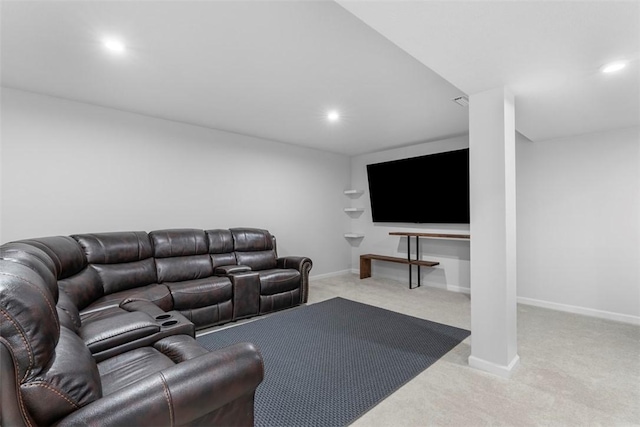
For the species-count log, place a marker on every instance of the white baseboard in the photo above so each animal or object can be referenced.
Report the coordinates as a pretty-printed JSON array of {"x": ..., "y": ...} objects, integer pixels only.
[
  {"x": 327, "y": 275},
  {"x": 452, "y": 288},
  {"x": 592, "y": 312},
  {"x": 492, "y": 368},
  {"x": 625, "y": 318}
]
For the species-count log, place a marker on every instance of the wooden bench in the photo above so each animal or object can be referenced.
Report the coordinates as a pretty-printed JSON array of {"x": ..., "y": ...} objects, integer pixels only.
[
  {"x": 365, "y": 260},
  {"x": 365, "y": 263}
]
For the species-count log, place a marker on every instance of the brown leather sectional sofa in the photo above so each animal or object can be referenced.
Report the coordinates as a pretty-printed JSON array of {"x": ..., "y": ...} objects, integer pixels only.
[{"x": 99, "y": 329}]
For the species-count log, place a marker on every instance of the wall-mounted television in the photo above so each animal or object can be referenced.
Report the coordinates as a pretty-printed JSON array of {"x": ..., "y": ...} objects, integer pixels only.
[{"x": 426, "y": 189}]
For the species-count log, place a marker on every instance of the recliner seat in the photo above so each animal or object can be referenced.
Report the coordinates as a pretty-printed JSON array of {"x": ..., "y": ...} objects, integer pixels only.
[{"x": 50, "y": 376}]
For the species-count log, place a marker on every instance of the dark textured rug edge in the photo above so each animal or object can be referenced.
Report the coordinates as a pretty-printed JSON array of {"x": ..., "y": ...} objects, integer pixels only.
[{"x": 372, "y": 335}]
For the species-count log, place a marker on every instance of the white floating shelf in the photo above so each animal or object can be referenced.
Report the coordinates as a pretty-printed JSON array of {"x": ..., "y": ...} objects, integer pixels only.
[
  {"x": 354, "y": 209},
  {"x": 353, "y": 235},
  {"x": 353, "y": 192}
]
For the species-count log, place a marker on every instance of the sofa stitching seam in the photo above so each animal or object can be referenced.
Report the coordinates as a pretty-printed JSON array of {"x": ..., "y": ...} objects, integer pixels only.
[
  {"x": 58, "y": 392},
  {"x": 167, "y": 394},
  {"x": 26, "y": 343},
  {"x": 17, "y": 379},
  {"x": 279, "y": 281}
]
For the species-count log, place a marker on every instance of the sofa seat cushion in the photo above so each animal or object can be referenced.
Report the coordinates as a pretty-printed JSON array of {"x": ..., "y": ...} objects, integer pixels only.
[
  {"x": 278, "y": 280},
  {"x": 127, "y": 368},
  {"x": 191, "y": 294}
]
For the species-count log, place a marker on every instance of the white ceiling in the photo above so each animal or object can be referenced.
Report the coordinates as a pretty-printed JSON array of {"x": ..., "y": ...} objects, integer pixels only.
[
  {"x": 273, "y": 69},
  {"x": 548, "y": 53},
  {"x": 269, "y": 69}
]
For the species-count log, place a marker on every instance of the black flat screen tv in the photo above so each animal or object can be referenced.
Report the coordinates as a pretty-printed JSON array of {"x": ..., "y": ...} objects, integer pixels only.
[{"x": 426, "y": 189}]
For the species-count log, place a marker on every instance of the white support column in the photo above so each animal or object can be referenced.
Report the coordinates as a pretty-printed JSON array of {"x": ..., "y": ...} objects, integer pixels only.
[{"x": 494, "y": 346}]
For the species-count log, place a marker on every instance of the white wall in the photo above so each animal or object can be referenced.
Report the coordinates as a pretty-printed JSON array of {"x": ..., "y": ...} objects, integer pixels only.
[
  {"x": 578, "y": 212},
  {"x": 453, "y": 255},
  {"x": 578, "y": 224},
  {"x": 69, "y": 168}
]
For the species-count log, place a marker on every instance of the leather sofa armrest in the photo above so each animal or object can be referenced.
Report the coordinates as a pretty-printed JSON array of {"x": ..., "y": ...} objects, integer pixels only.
[
  {"x": 299, "y": 263},
  {"x": 153, "y": 301},
  {"x": 145, "y": 331},
  {"x": 225, "y": 270},
  {"x": 116, "y": 331},
  {"x": 303, "y": 265},
  {"x": 142, "y": 305},
  {"x": 182, "y": 394},
  {"x": 158, "y": 295}
]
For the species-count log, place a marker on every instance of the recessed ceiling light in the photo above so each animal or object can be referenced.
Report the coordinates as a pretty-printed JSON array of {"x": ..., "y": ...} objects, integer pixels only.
[
  {"x": 333, "y": 116},
  {"x": 113, "y": 45},
  {"x": 614, "y": 66}
]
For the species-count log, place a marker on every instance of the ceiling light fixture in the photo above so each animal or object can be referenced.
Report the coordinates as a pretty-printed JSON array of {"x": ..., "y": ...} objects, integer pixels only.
[
  {"x": 333, "y": 116},
  {"x": 614, "y": 66},
  {"x": 113, "y": 45}
]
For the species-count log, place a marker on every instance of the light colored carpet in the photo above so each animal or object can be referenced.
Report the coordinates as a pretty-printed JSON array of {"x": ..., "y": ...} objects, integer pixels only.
[{"x": 574, "y": 370}]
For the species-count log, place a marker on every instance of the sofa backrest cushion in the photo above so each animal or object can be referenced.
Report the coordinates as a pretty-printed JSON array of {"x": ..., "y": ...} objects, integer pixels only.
[
  {"x": 115, "y": 247},
  {"x": 29, "y": 320},
  {"x": 254, "y": 247},
  {"x": 83, "y": 288},
  {"x": 122, "y": 260},
  {"x": 64, "y": 251},
  {"x": 75, "y": 275},
  {"x": 56, "y": 372},
  {"x": 34, "y": 258},
  {"x": 221, "y": 247},
  {"x": 71, "y": 381},
  {"x": 181, "y": 254}
]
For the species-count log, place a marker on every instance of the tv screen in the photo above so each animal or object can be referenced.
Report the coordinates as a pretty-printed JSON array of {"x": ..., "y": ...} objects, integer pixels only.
[{"x": 425, "y": 189}]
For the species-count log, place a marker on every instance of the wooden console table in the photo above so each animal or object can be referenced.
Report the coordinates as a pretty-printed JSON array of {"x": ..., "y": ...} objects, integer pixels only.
[{"x": 365, "y": 260}]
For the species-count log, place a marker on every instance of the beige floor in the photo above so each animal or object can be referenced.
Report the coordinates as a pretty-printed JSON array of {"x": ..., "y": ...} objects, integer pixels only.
[{"x": 574, "y": 370}]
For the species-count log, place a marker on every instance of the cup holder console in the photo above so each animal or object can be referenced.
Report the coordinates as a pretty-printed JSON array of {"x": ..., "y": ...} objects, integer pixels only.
[{"x": 173, "y": 322}]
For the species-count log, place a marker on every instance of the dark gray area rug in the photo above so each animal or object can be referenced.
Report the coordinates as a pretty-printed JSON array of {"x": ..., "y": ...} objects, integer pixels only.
[{"x": 328, "y": 363}]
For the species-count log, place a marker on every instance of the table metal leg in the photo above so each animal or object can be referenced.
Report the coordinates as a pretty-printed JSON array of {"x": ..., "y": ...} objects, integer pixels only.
[
  {"x": 418, "y": 257},
  {"x": 409, "y": 257}
]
